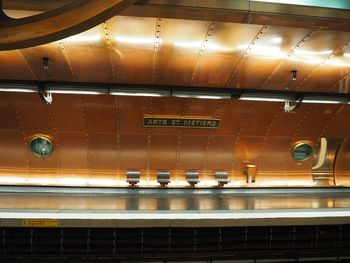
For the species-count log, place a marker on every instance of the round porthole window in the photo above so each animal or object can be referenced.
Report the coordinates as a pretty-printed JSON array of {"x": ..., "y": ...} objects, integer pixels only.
[
  {"x": 302, "y": 151},
  {"x": 41, "y": 146}
]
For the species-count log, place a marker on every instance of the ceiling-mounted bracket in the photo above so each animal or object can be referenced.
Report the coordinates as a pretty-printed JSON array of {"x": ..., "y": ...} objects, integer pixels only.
[{"x": 44, "y": 95}]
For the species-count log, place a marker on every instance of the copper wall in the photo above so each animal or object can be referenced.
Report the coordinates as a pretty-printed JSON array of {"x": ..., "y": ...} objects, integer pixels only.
[{"x": 99, "y": 137}]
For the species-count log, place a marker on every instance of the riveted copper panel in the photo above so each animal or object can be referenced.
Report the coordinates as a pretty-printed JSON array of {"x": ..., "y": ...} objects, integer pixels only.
[
  {"x": 133, "y": 43},
  {"x": 222, "y": 50},
  {"x": 8, "y": 116},
  {"x": 256, "y": 133},
  {"x": 179, "y": 50},
  {"x": 89, "y": 46},
  {"x": 98, "y": 138},
  {"x": 103, "y": 151},
  {"x": 307, "y": 57},
  {"x": 14, "y": 66},
  {"x": 162, "y": 155},
  {"x": 192, "y": 152},
  {"x": 58, "y": 65},
  {"x": 73, "y": 148},
  {"x": 133, "y": 151},
  {"x": 319, "y": 118},
  {"x": 13, "y": 151},
  {"x": 68, "y": 106},
  {"x": 223, "y": 161},
  {"x": 253, "y": 126}
]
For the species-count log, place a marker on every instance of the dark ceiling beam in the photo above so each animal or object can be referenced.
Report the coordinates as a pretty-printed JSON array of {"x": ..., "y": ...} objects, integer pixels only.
[
  {"x": 244, "y": 11},
  {"x": 62, "y": 22},
  {"x": 34, "y": 5},
  {"x": 238, "y": 11},
  {"x": 105, "y": 88}
]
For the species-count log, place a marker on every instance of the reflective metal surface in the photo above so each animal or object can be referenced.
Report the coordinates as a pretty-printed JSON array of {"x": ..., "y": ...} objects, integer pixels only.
[
  {"x": 132, "y": 207},
  {"x": 104, "y": 137},
  {"x": 99, "y": 138}
]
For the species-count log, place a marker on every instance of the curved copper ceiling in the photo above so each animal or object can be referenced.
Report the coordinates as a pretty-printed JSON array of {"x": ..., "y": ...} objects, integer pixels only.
[{"x": 98, "y": 138}]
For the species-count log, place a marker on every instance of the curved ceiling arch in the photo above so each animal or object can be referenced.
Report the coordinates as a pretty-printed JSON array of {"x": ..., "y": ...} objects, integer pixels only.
[{"x": 59, "y": 23}]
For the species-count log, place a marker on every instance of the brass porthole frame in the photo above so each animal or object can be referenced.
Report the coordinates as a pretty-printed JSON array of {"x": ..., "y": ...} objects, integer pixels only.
[
  {"x": 298, "y": 144},
  {"x": 41, "y": 136}
]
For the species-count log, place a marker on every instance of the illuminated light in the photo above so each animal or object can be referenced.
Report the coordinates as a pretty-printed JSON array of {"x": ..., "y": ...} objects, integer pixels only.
[
  {"x": 324, "y": 100},
  {"x": 176, "y": 215},
  {"x": 347, "y": 55},
  {"x": 144, "y": 183},
  {"x": 73, "y": 181},
  {"x": 178, "y": 184},
  {"x": 337, "y": 63},
  {"x": 140, "y": 92},
  {"x": 309, "y": 52},
  {"x": 276, "y": 40},
  {"x": 262, "y": 99},
  {"x": 41, "y": 181},
  {"x": 207, "y": 183},
  {"x": 12, "y": 180},
  {"x": 306, "y": 60},
  {"x": 75, "y": 90},
  {"x": 136, "y": 40},
  {"x": 137, "y": 94},
  {"x": 263, "y": 51},
  {"x": 82, "y": 38},
  {"x": 103, "y": 182},
  {"x": 18, "y": 90},
  {"x": 211, "y": 97},
  {"x": 272, "y": 183},
  {"x": 206, "y": 46},
  {"x": 322, "y": 154},
  {"x": 201, "y": 95},
  {"x": 235, "y": 184},
  {"x": 266, "y": 97}
]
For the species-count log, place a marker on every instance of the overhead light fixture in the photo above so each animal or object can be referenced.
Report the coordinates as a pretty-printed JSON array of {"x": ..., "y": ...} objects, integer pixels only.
[
  {"x": 202, "y": 95},
  {"x": 140, "y": 92},
  {"x": 4, "y": 87},
  {"x": 325, "y": 99},
  {"x": 76, "y": 90},
  {"x": 271, "y": 97}
]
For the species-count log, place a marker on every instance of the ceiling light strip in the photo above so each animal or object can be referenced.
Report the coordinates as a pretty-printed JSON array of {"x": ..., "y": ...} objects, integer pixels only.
[{"x": 181, "y": 92}]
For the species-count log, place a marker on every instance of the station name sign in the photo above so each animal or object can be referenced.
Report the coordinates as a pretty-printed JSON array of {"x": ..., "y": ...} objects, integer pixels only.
[{"x": 185, "y": 122}]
